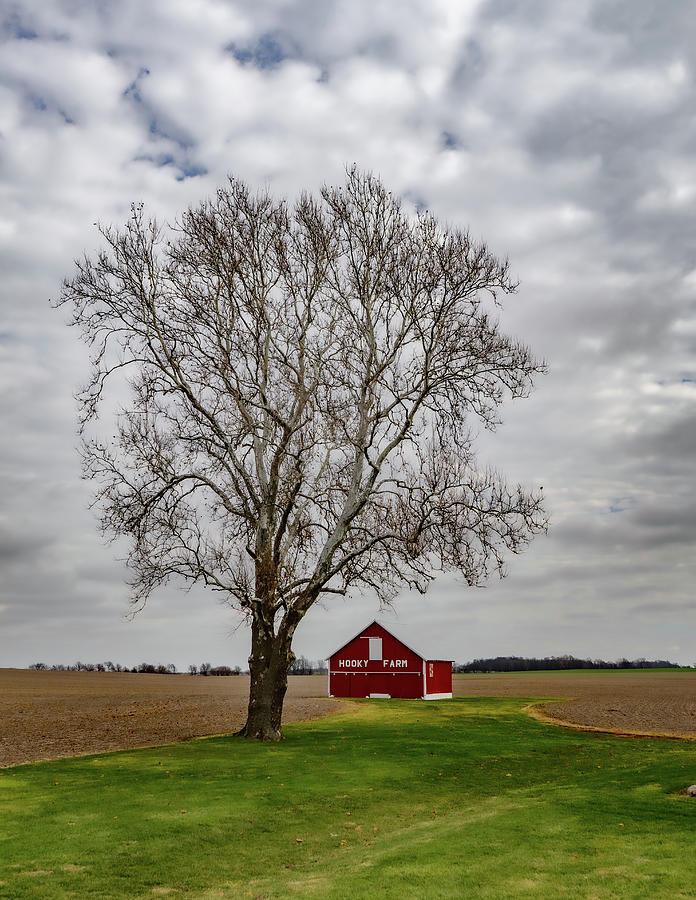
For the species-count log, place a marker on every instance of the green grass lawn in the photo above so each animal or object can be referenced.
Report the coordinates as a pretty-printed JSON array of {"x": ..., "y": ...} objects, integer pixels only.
[{"x": 461, "y": 798}]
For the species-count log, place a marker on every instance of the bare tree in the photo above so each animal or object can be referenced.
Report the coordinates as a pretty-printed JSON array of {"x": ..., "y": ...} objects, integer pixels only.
[{"x": 302, "y": 380}]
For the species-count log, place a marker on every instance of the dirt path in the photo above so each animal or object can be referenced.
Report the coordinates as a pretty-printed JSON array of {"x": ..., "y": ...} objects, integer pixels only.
[{"x": 622, "y": 702}]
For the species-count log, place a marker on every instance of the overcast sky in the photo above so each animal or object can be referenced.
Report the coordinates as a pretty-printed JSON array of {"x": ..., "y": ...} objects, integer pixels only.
[{"x": 563, "y": 133}]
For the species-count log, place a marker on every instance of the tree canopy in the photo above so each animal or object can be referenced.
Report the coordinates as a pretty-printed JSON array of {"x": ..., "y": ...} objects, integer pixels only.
[{"x": 303, "y": 383}]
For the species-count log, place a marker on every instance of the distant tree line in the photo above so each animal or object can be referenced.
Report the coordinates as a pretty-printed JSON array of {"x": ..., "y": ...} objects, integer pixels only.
[
  {"x": 527, "y": 664},
  {"x": 301, "y": 666},
  {"x": 304, "y": 666},
  {"x": 147, "y": 668},
  {"x": 206, "y": 669}
]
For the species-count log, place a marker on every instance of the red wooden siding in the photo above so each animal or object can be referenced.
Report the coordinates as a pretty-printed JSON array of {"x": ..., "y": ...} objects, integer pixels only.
[
  {"x": 438, "y": 676},
  {"x": 362, "y": 684}
]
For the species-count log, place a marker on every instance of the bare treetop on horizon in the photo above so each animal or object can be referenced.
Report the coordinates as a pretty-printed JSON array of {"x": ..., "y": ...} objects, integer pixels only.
[{"x": 303, "y": 379}]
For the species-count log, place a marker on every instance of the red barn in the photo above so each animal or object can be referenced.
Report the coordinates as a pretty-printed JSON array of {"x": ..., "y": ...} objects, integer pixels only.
[{"x": 375, "y": 663}]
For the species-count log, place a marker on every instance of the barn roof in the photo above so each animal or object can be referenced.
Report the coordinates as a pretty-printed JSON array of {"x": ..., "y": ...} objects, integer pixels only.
[{"x": 391, "y": 631}]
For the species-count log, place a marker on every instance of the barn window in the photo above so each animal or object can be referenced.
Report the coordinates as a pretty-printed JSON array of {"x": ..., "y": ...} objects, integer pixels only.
[{"x": 375, "y": 648}]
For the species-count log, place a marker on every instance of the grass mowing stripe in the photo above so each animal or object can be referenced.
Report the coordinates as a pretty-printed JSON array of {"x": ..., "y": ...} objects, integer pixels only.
[{"x": 450, "y": 798}]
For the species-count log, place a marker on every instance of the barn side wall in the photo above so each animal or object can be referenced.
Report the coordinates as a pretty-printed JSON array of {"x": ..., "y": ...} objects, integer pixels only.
[{"x": 438, "y": 679}]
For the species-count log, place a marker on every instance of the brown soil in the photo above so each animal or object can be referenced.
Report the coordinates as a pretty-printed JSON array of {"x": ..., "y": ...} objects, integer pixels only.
[
  {"x": 46, "y": 715},
  {"x": 647, "y": 703}
]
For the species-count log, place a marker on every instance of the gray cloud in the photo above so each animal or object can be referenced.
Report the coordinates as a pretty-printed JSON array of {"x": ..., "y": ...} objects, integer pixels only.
[
  {"x": 17, "y": 549},
  {"x": 673, "y": 523},
  {"x": 647, "y": 31},
  {"x": 562, "y": 134}
]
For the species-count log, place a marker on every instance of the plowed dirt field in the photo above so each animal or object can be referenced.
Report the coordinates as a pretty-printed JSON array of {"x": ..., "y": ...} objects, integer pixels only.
[
  {"x": 45, "y": 715},
  {"x": 622, "y": 702}
]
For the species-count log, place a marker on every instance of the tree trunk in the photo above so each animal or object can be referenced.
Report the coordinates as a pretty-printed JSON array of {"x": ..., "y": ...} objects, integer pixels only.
[{"x": 269, "y": 662}]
